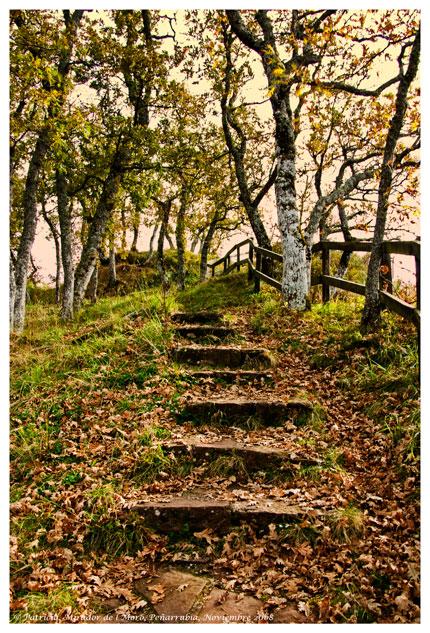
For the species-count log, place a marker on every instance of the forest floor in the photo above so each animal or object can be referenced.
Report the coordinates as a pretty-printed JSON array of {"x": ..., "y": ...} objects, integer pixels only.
[{"x": 95, "y": 406}]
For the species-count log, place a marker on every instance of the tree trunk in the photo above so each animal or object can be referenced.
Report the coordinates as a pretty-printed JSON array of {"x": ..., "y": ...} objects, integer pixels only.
[
  {"x": 97, "y": 228},
  {"x": 180, "y": 241},
  {"x": 370, "y": 319},
  {"x": 152, "y": 239},
  {"x": 139, "y": 91},
  {"x": 112, "y": 280},
  {"x": 93, "y": 284},
  {"x": 166, "y": 206},
  {"x": 238, "y": 152},
  {"x": 133, "y": 247},
  {"x": 123, "y": 231},
  {"x": 205, "y": 247},
  {"x": 194, "y": 242},
  {"x": 169, "y": 238},
  {"x": 66, "y": 235},
  {"x": 12, "y": 292},
  {"x": 56, "y": 238},
  {"x": 29, "y": 227},
  {"x": 295, "y": 276}
]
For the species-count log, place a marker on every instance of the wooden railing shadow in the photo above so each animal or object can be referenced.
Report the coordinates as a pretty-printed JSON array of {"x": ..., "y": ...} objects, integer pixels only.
[{"x": 257, "y": 258}]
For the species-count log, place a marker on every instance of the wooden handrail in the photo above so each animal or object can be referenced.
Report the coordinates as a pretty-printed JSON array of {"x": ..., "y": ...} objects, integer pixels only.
[
  {"x": 411, "y": 247},
  {"x": 270, "y": 254},
  {"x": 219, "y": 261}
]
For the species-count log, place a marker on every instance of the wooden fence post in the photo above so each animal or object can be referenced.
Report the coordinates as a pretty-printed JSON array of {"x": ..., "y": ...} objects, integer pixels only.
[
  {"x": 251, "y": 260},
  {"x": 325, "y": 266},
  {"x": 258, "y": 269},
  {"x": 418, "y": 279},
  {"x": 238, "y": 258}
]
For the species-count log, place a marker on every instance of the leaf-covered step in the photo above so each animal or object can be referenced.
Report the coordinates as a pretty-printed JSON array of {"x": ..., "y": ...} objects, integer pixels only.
[
  {"x": 197, "y": 317},
  {"x": 194, "y": 511},
  {"x": 232, "y": 375},
  {"x": 250, "y": 413},
  {"x": 242, "y": 456},
  {"x": 198, "y": 332},
  {"x": 219, "y": 356}
]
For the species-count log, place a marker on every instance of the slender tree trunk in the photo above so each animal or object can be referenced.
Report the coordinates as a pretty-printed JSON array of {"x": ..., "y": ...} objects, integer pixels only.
[
  {"x": 112, "y": 280},
  {"x": 139, "y": 91},
  {"x": 205, "y": 247},
  {"x": 238, "y": 152},
  {"x": 97, "y": 228},
  {"x": 123, "y": 231},
  {"x": 152, "y": 239},
  {"x": 133, "y": 247},
  {"x": 12, "y": 292},
  {"x": 194, "y": 242},
  {"x": 168, "y": 237},
  {"x": 347, "y": 236},
  {"x": 66, "y": 235},
  {"x": 180, "y": 241},
  {"x": 93, "y": 284},
  {"x": 29, "y": 227},
  {"x": 372, "y": 308},
  {"x": 34, "y": 270},
  {"x": 166, "y": 206},
  {"x": 56, "y": 238}
]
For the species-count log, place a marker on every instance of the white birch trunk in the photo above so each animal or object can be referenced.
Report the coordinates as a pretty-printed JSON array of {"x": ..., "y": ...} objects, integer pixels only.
[{"x": 295, "y": 276}]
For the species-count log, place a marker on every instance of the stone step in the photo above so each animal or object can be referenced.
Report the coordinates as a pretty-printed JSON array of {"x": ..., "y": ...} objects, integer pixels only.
[
  {"x": 180, "y": 597},
  {"x": 231, "y": 375},
  {"x": 255, "y": 457},
  {"x": 177, "y": 596},
  {"x": 197, "y": 317},
  {"x": 204, "y": 331},
  {"x": 247, "y": 412},
  {"x": 230, "y": 357},
  {"x": 195, "y": 511}
]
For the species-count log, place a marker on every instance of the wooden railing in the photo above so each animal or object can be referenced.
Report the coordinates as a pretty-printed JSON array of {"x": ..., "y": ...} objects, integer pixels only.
[
  {"x": 260, "y": 260},
  {"x": 229, "y": 261}
]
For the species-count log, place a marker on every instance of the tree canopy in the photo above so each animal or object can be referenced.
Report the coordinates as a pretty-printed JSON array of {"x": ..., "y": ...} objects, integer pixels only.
[{"x": 200, "y": 123}]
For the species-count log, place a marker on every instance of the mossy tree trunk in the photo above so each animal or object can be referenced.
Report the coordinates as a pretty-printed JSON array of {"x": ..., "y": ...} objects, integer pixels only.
[
  {"x": 370, "y": 319},
  {"x": 180, "y": 239},
  {"x": 29, "y": 227},
  {"x": 65, "y": 207},
  {"x": 206, "y": 244},
  {"x": 56, "y": 237},
  {"x": 237, "y": 149}
]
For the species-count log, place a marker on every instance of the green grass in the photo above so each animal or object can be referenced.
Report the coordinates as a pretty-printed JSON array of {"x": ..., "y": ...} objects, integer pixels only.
[
  {"x": 226, "y": 466},
  {"x": 218, "y": 293},
  {"x": 44, "y": 607},
  {"x": 375, "y": 370},
  {"x": 347, "y": 524},
  {"x": 35, "y": 356},
  {"x": 115, "y": 536}
]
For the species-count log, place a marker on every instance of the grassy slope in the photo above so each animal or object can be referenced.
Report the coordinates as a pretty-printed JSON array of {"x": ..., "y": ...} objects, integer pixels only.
[{"x": 85, "y": 416}]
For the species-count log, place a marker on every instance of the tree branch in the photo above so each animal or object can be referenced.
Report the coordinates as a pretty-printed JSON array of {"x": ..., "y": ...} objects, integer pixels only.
[{"x": 362, "y": 92}]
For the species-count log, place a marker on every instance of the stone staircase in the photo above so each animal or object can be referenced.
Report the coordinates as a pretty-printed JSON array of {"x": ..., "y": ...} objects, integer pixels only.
[{"x": 238, "y": 467}]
